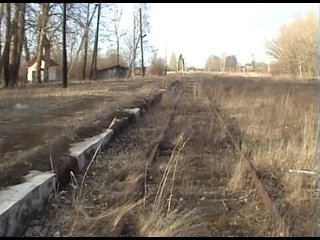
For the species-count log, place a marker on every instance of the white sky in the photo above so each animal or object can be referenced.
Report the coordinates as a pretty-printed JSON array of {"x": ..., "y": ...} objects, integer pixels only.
[{"x": 199, "y": 30}]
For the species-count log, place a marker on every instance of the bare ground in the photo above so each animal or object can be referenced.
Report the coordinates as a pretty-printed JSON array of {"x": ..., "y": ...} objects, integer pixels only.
[
  {"x": 56, "y": 117},
  {"x": 197, "y": 186},
  {"x": 200, "y": 182}
]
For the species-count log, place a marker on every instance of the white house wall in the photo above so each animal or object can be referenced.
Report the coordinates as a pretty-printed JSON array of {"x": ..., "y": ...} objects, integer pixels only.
[
  {"x": 52, "y": 72},
  {"x": 30, "y": 70}
]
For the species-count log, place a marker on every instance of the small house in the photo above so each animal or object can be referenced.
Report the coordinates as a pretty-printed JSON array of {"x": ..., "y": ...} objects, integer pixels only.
[
  {"x": 248, "y": 68},
  {"x": 32, "y": 70},
  {"x": 115, "y": 71}
]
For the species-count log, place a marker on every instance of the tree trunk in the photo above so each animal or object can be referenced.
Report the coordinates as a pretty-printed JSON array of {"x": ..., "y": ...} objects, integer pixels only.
[
  {"x": 18, "y": 37},
  {"x": 84, "y": 67},
  {"x": 134, "y": 47},
  {"x": 84, "y": 40},
  {"x": 26, "y": 49},
  {"x": 47, "y": 46},
  {"x": 27, "y": 56},
  {"x": 64, "y": 46},
  {"x": 118, "y": 51},
  {"x": 93, "y": 69},
  {"x": 6, "y": 50},
  {"x": 43, "y": 18},
  {"x": 1, "y": 17},
  {"x": 21, "y": 35},
  {"x": 141, "y": 39}
]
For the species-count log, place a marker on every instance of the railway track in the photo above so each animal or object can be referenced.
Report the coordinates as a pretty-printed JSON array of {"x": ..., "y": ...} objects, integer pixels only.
[
  {"x": 256, "y": 183},
  {"x": 141, "y": 181},
  {"x": 130, "y": 176},
  {"x": 134, "y": 190}
]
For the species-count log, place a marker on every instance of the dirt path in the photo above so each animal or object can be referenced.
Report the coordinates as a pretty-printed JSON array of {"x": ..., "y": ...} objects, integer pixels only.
[{"x": 187, "y": 189}]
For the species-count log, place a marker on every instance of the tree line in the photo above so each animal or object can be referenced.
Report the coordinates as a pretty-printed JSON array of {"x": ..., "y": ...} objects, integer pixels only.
[
  {"x": 35, "y": 31},
  {"x": 294, "y": 50}
]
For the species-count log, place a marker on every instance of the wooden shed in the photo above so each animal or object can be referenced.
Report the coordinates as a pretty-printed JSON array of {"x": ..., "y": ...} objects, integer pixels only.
[{"x": 115, "y": 71}]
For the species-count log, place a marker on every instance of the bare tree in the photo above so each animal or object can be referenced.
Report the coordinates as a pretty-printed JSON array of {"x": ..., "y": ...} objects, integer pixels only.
[
  {"x": 1, "y": 17},
  {"x": 84, "y": 41},
  {"x": 181, "y": 64},
  {"x": 53, "y": 29},
  {"x": 47, "y": 47},
  {"x": 133, "y": 64},
  {"x": 115, "y": 33},
  {"x": 231, "y": 63},
  {"x": 18, "y": 24},
  {"x": 26, "y": 49},
  {"x": 88, "y": 23},
  {"x": 132, "y": 41},
  {"x": 118, "y": 34},
  {"x": 156, "y": 66},
  {"x": 223, "y": 62},
  {"x": 6, "y": 50},
  {"x": 43, "y": 19},
  {"x": 93, "y": 69},
  {"x": 295, "y": 48},
  {"x": 141, "y": 42},
  {"x": 213, "y": 63},
  {"x": 132, "y": 38},
  {"x": 31, "y": 30},
  {"x": 64, "y": 46},
  {"x": 111, "y": 57}
]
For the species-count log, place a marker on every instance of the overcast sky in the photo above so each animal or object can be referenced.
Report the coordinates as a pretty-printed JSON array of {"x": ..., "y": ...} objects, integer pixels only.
[{"x": 199, "y": 30}]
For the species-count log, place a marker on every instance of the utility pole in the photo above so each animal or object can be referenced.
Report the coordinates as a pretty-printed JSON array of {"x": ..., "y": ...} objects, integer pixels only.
[
  {"x": 224, "y": 62},
  {"x": 141, "y": 39},
  {"x": 64, "y": 46},
  {"x": 165, "y": 59},
  {"x": 300, "y": 68},
  {"x": 134, "y": 46},
  {"x": 93, "y": 69}
]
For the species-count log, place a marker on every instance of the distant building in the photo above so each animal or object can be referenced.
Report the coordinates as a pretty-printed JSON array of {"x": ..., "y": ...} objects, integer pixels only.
[
  {"x": 32, "y": 70},
  {"x": 247, "y": 68},
  {"x": 115, "y": 71}
]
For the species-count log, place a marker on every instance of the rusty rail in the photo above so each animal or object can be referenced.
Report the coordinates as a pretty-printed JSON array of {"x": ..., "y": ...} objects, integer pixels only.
[
  {"x": 264, "y": 196},
  {"x": 165, "y": 127},
  {"x": 138, "y": 183}
]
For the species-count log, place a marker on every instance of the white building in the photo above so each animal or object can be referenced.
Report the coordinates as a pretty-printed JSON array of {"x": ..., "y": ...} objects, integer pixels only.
[{"x": 32, "y": 70}]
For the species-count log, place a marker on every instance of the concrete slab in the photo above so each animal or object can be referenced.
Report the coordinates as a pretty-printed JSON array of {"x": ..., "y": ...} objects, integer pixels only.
[
  {"x": 18, "y": 202},
  {"x": 133, "y": 111},
  {"x": 106, "y": 135},
  {"x": 81, "y": 150}
]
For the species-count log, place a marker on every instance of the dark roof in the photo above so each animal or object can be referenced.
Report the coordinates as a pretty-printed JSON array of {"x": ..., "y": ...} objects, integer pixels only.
[
  {"x": 34, "y": 59},
  {"x": 113, "y": 66}
]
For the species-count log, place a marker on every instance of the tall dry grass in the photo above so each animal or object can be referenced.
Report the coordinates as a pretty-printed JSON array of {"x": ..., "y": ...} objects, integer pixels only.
[
  {"x": 164, "y": 219},
  {"x": 160, "y": 217},
  {"x": 279, "y": 130}
]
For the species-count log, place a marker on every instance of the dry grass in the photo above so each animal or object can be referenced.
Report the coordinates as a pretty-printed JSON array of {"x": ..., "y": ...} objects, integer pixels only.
[
  {"x": 39, "y": 96},
  {"x": 164, "y": 219},
  {"x": 56, "y": 114},
  {"x": 278, "y": 131},
  {"x": 278, "y": 125},
  {"x": 157, "y": 214},
  {"x": 161, "y": 218}
]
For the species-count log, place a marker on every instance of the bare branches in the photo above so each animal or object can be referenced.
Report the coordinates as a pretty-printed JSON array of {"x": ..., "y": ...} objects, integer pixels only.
[
  {"x": 43, "y": 31},
  {"x": 295, "y": 49},
  {"x": 6, "y": 51}
]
